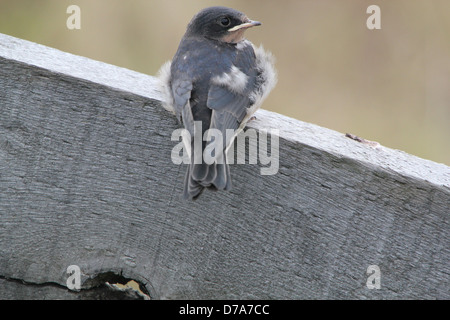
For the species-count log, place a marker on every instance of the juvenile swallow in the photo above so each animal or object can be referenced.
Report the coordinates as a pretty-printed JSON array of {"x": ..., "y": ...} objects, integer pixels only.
[{"x": 217, "y": 79}]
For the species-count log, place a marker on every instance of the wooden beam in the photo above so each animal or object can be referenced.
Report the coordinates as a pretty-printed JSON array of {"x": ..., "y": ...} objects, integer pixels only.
[{"x": 86, "y": 179}]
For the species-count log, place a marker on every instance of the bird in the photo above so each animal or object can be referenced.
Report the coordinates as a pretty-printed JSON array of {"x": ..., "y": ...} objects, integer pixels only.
[{"x": 217, "y": 79}]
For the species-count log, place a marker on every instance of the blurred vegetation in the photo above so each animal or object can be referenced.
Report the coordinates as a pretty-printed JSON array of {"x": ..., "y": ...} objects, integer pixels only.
[{"x": 389, "y": 85}]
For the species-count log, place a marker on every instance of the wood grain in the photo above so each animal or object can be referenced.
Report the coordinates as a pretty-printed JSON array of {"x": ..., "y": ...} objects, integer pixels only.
[{"x": 86, "y": 179}]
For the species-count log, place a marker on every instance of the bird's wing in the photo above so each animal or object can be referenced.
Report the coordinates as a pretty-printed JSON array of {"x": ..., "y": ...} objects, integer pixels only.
[
  {"x": 229, "y": 110},
  {"x": 230, "y": 93},
  {"x": 181, "y": 91}
]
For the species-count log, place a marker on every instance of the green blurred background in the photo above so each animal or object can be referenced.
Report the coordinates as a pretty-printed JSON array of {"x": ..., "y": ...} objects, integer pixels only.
[{"x": 389, "y": 85}]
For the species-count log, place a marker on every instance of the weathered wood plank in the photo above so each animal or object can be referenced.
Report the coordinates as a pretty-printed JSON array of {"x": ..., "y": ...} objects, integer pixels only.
[{"x": 86, "y": 179}]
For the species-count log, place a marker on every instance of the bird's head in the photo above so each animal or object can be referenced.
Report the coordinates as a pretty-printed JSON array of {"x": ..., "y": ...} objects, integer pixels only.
[{"x": 221, "y": 24}]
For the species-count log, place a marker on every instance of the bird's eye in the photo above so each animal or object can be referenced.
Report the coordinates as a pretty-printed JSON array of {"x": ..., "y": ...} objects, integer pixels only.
[{"x": 225, "y": 22}]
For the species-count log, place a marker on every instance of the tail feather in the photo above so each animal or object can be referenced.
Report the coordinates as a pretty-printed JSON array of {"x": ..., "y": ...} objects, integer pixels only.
[
  {"x": 192, "y": 189},
  {"x": 200, "y": 176}
]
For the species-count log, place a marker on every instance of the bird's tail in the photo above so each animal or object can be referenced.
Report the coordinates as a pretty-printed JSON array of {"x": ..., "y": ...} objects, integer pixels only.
[{"x": 200, "y": 176}]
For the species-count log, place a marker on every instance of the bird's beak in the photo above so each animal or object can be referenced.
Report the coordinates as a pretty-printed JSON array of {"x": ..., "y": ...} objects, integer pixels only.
[{"x": 245, "y": 25}]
